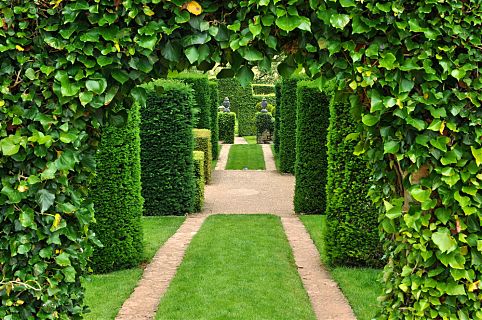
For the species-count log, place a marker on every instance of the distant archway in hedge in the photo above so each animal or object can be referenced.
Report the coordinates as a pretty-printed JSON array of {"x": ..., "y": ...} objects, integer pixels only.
[{"x": 413, "y": 65}]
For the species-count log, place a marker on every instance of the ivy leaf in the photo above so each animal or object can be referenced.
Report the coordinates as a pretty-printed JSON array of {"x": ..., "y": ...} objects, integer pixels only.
[
  {"x": 63, "y": 259},
  {"x": 391, "y": 147},
  {"x": 251, "y": 54},
  {"x": 388, "y": 61},
  {"x": 192, "y": 54},
  {"x": 370, "y": 120},
  {"x": 444, "y": 241},
  {"x": 245, "y": 75},
  {"x": 339, "y": 21},
  {"x": 10, "y": 145},
  {"x": 26, "y": 218},
  {"x": 288, "y": 23},
  {"x": 45, "y": 199},
  {"x": 477, "y": 153},
  {"x": 193, "y": 7},
  {"x": 421, "y": 195},
  {"x": 97, "y": 86},
  {"x": 347, "y": 3}
]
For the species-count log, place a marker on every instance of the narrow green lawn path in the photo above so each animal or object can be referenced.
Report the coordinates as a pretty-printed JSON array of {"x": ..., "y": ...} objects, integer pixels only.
[
  {"x": 237, "y": 267},
  {"x": 245, "y": 157},
  {"x": 250, "y": 139},
  {"x": 360, "y": 286},
  {"x": 106, "y": 293}
]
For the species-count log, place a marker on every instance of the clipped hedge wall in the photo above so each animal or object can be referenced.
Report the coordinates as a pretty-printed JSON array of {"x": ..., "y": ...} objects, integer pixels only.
[
  {"x": 262, "y": 89},
  {"x": 198, "y": 158},
  {"x": 277, "y": 118},
  {"x": 166, "y": 149},
  {"x": 352, "y": 237},
  {"x": 287, "y": 137},
  {"x": 311, "y": 163},
  {"x": 214, "y": 95},
  {"x": 227, "y": 123},
  {"x": 264, "y": 122},
  {"x": 116, "y": 192},
  {"x": 231, "y": 88},
  {"x": 202, "y": 142},
  {"x": 202, "y": 97}
]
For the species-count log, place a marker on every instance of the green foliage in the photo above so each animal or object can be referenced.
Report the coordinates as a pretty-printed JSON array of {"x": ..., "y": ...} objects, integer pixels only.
[
  {"x": 214, "y": 98},
  {"x": 202, "y": 142},
  {"x": 199, "y": 169},
  {"x": 202, "y": 96},
  {"x": 352, "y": 222},
  {"x": 271, "y": 108},
  {"x": 264, "y": 122},
  {"x": 116, "y": 192},
  {"x": 311, "y": 165},
  {"x": 287, "y": 130},
  {"x": 166, "y": 149},
  {"x": 277, "y": 117},
  {"x": 231, "y": 88},
  {"x": 262, "y": 89},
  {"x": 227, "y": 122}
]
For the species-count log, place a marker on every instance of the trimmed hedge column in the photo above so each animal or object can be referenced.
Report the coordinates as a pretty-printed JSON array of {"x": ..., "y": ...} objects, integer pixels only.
[
  {"x": 202, "y": 142},
  {"x": 214, "y": 98},
  {"x": 287, "y": 137},
  {"x": 202, "y": 96},
  {"x": 264, "y": 124},
  {"x": 198, "y": 157},
  {"x": 166, "y": 149},
  {"x": 312, "y": 126},
  {"x": 116, "y": 193},
  {"x": 277, "y": 118},
  {"x": 352, "y": 221},
  {"x": 227, "y": 123}
]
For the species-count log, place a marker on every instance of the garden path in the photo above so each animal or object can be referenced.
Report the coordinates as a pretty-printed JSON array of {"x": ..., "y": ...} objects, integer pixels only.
[{"x": 241, "y": 192}]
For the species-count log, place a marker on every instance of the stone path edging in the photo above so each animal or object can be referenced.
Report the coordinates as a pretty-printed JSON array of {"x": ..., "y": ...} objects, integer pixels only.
[
  {"x": 144, "y": 301},
  {"x": 326, "y": 298},
  {"x": 268, "y": 157},
  {"x": 223, "y": 157}
]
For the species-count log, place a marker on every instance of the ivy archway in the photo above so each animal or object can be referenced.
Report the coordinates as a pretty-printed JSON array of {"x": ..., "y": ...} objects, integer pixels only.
[{"x": 413, "y": 67}]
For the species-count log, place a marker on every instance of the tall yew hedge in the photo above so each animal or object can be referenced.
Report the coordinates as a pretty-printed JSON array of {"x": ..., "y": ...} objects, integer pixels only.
[
  {"x": 311, "y": 156},
  {"x": 168, "y": 183},
  {"x": 287, "y": 130},
  {"x": 277, "y": 117},
  {"x": 351, "y": 237},
  {"x": 214, "y": 100},
  {"x": 116, "y": 192}
]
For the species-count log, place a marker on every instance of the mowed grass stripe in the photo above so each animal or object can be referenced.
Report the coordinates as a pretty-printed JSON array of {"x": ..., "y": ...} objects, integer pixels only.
[
  {"x": 245, "y": 157},
  {"x": 237, "y": 267},
  {"x": 106, "y": 293}
]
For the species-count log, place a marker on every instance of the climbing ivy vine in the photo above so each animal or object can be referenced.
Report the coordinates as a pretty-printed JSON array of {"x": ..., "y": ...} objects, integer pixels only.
[{"x": 412, "y": 65}]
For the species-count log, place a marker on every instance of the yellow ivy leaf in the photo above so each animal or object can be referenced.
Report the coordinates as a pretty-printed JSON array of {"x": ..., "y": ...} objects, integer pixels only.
[
  {"x": 56, "y": 3},
  {"x": 2, "y": 103},
  {"x": 57, "y": 219},
  {"x": 20, "y": 302},
  {"x": 194, "y": 7},
  {"x": 148, "y": 11},
  {"x": 19, "y": 48},
  {"x": 116, "y": 44}
]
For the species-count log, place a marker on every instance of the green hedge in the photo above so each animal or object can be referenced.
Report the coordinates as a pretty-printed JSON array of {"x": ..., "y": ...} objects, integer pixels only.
[
  {"x": 202, "y": 142},
  {"x": 311, "y": 164},
  {"x": 262, "y": 89},
  {"x": 202, "y": 97},
  {"x": 231, "y": 88},
  {"x": 166, "y": 149},
  {"x": 214, "y": 95},
  {"x": 116, "y": 193},
  {"x": 287, "y": 136},
  {"x": 227, "y": 123},
  {"x": 264, "y": 122},
  {"x": 352, "y": 227},
  {"x": 277, "y": 118},
  {"x": 198, "y": 158}
]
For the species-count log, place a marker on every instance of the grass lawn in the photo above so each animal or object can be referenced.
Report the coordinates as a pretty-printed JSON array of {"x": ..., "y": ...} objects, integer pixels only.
[
  {"x": 250, "y": 139},
  {"x": 243, "y": 156},
  {"x": 276, "y": 158},
  {"x": 360, "y": 286},
  {"x": 237, "y": 267},
  {"x": 106, "y": 293}
]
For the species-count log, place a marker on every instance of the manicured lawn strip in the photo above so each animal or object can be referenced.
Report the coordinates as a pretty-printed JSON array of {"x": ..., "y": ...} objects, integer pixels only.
[
  {"x": 360, "y": 286},
  {"x": 276, "y": 158},
  {"x": 237, "y": 267},
  {"x": 106, "y": 293},
  {"x": 250, "y": 139},
  {"x": 243, "y": 156}
]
